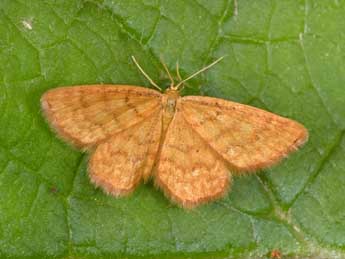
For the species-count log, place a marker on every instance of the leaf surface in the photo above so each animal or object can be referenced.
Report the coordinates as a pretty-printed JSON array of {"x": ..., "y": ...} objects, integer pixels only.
[{"x": 283, "y": 56}]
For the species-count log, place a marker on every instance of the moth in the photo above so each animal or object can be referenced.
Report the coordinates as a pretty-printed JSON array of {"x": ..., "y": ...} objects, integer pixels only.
[{"x": 190, "y": 145}]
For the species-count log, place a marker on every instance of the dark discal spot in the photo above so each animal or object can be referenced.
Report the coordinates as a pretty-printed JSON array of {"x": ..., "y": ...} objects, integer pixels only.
[
  {"x": 256, "y": 137},
  {"x": 133, "y": 107},
  {"x": 135, "y": 110}
]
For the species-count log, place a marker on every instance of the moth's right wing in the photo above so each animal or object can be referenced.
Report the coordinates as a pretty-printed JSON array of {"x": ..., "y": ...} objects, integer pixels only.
[
  {"x": 88, "y": 115},
  {"x": 246, "y": 137}
]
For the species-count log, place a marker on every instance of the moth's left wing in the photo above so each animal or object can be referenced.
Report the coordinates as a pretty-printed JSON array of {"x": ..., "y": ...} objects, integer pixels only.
[{"x": 248, "y": 138}]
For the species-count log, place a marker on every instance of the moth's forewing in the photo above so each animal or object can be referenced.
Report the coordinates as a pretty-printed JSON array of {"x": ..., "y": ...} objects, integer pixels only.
[{"x": 248, "y": 138}]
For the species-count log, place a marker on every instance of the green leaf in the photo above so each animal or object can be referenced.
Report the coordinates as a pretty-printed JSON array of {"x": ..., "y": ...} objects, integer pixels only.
[{"x": 284, "y": 56}]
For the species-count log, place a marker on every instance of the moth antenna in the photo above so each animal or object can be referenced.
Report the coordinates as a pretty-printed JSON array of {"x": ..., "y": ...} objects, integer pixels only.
[
  {"x": 178, "y": 71},
  {"x": 179, "y": 75},
  {"x": 167, "y": 70},
  {"x": 146, "y": 75},
  {"x": 200, "y": 71}
]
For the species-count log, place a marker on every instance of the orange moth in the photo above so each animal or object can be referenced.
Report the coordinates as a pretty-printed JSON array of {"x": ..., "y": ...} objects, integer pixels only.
[
  {"x": 190, "y": 146},
  {"x": 276, "y": 254}
]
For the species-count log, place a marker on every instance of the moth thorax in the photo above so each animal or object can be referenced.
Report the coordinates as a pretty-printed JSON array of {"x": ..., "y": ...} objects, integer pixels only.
[
  {"x": 169, "y": 105},
  {"x": 171, "y": 97}
]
